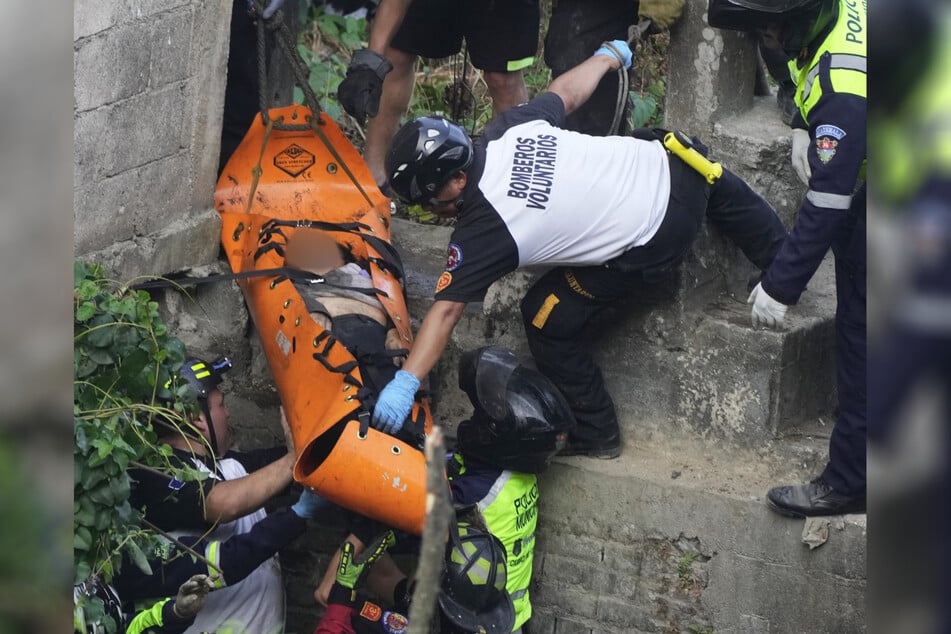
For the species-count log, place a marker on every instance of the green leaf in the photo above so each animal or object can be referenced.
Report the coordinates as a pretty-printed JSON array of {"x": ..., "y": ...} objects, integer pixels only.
[
  {"x": 79, "y": 273},
  {"x": 127, "y": 339},
  {"x": 91, "y": 478},
  {"x": 79, "y": 437},
  {"x": 103, "y": 519},
  {"x": 88, "y": 289},
  {"x": 103, "y": 447},
  {"x": 85, "y": 367},
  {"x": 82, "y": 538},
  {"x": 103, "y": 336},
  {"x": 85, "y": 311},
  {"x": 81, "y": 572},
  {"x": 176, "y": 353},
  {"x": 643, "y": 108},
  {"x": 100, "y": 356},
  {"x": 138, "y": 557},
  {"x": 120, "y": 489},
  {"x": 103, "y": 496}
]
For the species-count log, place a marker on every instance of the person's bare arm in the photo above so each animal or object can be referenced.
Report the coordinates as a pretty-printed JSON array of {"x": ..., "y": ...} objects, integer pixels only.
[
  {"x": 432, "y": 337},
  {"x": 230, "y": 499},
  {"x": 387, "y": 21},
  {"x": 577, "y": 85}
]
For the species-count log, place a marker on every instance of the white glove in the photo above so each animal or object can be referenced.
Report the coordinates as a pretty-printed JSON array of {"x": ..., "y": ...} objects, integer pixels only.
[
  {"x": 767, "y": 312},
  {"x": 800, "y": 154},
  {"x": 192, "y": 595}
]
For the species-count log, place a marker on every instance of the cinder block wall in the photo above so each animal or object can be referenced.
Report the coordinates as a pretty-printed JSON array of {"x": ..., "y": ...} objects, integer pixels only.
[{"x": 149, "y": 82}]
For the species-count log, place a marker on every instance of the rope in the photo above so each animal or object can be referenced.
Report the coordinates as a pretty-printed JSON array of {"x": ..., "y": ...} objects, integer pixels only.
[
  {"x": 285, "y": 41},
  {"x": 635, "y": 32}
]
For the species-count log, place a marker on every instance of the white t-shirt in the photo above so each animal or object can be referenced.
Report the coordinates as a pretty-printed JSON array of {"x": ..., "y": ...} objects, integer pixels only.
[
  {"x": 542, "y": 195},
  {"x": 254, "y": 605}
]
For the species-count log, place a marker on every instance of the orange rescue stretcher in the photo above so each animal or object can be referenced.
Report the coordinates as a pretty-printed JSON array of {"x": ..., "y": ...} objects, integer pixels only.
[{"x": 277, "y": 182}]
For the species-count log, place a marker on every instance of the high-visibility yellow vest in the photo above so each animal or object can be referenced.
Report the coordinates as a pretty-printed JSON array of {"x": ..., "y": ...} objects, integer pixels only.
[{"x": 840, "y": 60}]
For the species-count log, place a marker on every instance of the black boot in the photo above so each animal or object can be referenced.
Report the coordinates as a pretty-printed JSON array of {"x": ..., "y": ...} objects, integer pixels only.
[
  {"x": 603, "y": 448},
  {"x": 813, "y": 499}
]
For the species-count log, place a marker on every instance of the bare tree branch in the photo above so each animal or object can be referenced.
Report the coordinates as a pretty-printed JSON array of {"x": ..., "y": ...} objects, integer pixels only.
[{"x": 432, "y": 549}]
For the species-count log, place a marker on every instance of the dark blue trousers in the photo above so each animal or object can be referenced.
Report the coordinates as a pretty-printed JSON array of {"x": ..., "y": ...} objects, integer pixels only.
[{"x": 846, "y": 469}]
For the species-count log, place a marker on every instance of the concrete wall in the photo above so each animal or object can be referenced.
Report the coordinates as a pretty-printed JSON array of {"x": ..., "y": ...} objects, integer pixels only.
[{"x": 149, "y": 91}]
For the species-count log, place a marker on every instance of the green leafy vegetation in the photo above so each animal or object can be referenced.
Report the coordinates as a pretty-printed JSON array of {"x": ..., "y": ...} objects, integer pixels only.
[{"x": 123, "y": 363}]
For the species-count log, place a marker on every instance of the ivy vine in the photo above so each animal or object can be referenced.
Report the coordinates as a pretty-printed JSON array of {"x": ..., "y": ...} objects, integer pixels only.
[{"x": 124, "y": 361}]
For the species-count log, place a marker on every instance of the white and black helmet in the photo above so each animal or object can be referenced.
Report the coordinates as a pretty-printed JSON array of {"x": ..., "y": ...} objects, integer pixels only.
[{"x": 424, "y": 155}]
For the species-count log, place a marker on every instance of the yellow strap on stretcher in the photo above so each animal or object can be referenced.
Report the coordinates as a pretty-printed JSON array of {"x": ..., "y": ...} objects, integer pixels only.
[{"x": 677, "y": 143}]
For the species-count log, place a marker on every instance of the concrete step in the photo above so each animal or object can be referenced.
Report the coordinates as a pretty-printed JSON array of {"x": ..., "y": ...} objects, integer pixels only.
[
  {"x": 676, "y": 537},
  {"x": 756, "y": 145}
]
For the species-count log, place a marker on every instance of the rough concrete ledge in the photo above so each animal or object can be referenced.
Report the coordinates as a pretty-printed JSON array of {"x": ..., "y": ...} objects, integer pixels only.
[
  {"x": 756, "y": 145},
  {"x": 189, "y": 242},
  {"x": 677, "y": 538}
]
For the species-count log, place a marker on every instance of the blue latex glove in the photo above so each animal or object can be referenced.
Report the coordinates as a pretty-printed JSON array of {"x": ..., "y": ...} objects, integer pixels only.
[
  {"x": 310, "y": 505},
  {"x": 395, "y": 403},
  {"x": 622, "y": 48},
  {"x": 273, "y": 6}
]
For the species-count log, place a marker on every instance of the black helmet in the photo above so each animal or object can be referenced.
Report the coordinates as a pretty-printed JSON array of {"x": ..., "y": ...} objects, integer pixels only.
[
  {"x": 204, "y": 377},
  {"x": 473, "y": 596},
  {"x": 802, "y": 20},
  {"x": 520, "y": 420},
  {"x": 424, "y": 155},
  {"x": 747, "y": 15}
]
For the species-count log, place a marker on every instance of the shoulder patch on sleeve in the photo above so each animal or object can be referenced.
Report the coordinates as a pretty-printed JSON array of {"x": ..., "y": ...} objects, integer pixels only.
[
  {"x": 371, "y": 611},
  {"x": 394, "y": 623},
  {"x": 444, "y": 280},
  {"x": 830, "y": 130},
  {"x": 453, "y": 257}
]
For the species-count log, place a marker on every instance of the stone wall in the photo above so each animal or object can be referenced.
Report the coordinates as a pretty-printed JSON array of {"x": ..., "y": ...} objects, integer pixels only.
[{"x": 149, "y": 91}]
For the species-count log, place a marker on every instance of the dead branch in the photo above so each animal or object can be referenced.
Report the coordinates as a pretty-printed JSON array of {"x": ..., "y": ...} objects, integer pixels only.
[{"x": 432, "y": 549}]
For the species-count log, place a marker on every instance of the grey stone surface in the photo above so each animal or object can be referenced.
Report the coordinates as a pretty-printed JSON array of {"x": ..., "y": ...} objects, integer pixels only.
[
  {"x": 755, "y": 144},
  {"x": 710, "y": 72},
  {"x": 93, "y": 16},
  {"x": 186, "y": 243},
  {"x": 149, "y": 89},
  {"x": 121, "y": 51},
  {"x": 133, "y": 203},
  {"x": 697, "y": 553},
  {"x": 170, "y": 35}
]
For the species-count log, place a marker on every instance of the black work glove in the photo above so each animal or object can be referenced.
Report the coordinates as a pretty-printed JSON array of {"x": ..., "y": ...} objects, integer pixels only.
[{"x": 359, "y": 92}]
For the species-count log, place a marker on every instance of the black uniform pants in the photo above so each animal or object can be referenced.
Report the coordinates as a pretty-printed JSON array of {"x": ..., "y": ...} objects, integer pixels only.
[
  {"x": 556, "y": 309},
  {"x": 846, "y": 469}
]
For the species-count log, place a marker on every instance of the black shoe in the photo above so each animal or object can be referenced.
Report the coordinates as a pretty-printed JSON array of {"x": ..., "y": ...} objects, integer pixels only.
[
  {"x": 603, "y": 449},
  {"x": 813, "y": 499}
]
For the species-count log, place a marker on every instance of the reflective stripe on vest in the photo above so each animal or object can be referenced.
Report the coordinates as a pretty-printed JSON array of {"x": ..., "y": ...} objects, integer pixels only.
[
  {"x": 829, "y": 201},
  {"x": 511, "y": 512},
  {"x": 842, "y": 55}
]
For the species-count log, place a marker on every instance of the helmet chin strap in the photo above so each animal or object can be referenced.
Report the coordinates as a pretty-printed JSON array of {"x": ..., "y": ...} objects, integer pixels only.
[{"x": 212, "y": 437}]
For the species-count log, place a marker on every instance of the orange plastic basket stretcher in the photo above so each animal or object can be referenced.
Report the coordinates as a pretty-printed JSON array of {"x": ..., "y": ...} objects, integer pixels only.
[{"x": 304, "y": 175}]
